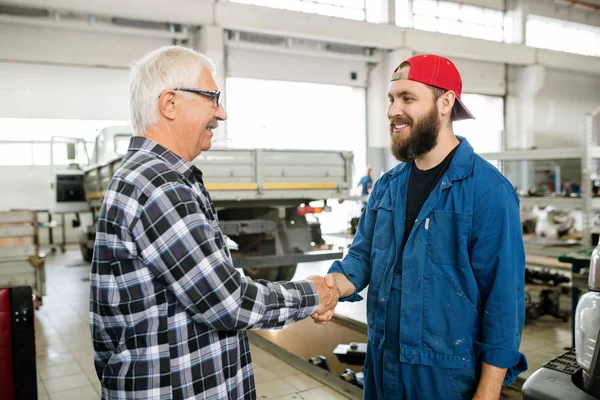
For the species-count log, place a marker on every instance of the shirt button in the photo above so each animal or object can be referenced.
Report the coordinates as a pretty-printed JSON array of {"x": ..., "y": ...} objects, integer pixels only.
[
  {"x": 416, "y": 220},
  {"x": 383, "y": 299},
  {"x": 443, "y": 183}
]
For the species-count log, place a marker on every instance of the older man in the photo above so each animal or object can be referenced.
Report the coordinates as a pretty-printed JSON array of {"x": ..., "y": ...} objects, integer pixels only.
[
  {"x": 168, "y": 309},
  {"x": 440, "y": 247}
]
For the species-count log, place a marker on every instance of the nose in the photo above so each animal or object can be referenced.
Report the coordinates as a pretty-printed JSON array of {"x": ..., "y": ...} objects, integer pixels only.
[
  {"x": 221, "y": 114},
  {"x": 395, "y": 110}
]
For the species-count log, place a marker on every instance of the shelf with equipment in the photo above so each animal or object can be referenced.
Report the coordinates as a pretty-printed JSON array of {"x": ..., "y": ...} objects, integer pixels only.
[{"x": 588, "y": 154}]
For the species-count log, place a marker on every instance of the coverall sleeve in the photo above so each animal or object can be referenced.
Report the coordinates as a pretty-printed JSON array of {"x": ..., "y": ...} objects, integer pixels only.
[
  {"x": 357, "y": 265},
  {"x": 498, "y": 262}
]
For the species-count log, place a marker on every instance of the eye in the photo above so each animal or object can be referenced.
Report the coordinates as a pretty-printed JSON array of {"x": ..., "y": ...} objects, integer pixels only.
[
  {"x": 390, "y": 99},
  {"x": 408, "y": 99}
]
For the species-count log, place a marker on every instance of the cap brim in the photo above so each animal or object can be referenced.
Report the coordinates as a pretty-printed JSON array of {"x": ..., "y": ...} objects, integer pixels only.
[{"x": 461, "y": 111}]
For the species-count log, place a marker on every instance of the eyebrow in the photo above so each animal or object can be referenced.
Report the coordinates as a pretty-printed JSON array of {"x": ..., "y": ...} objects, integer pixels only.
[{"x": 402, "y": 93}]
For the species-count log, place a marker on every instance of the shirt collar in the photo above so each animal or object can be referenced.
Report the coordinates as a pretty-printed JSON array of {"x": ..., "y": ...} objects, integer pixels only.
[
  {"x": 460, "y": 166},
  {"x": 185, "y": 168}
]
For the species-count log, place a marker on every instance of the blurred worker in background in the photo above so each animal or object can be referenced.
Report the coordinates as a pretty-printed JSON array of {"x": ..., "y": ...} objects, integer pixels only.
[{"x": 366, "y": 184}]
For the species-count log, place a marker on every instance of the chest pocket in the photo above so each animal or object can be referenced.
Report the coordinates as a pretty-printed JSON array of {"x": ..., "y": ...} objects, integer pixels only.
[
  {"x": 447, "y": 238},
  {"x": 384, "y": 223},
  {"x": 209, "y": 211}
]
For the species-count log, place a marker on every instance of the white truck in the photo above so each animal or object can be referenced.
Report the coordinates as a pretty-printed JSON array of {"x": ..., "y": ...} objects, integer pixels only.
[{"x": 262, "y": 197}]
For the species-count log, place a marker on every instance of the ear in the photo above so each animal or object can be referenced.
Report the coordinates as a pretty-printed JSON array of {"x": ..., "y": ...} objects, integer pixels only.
[
  {"x": 446, "y": 103},
  {"x": 166, "y": 104}
]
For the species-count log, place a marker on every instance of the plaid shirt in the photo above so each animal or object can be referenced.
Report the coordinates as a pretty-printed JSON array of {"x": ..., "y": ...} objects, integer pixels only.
[{"x": 168, "y": 309}]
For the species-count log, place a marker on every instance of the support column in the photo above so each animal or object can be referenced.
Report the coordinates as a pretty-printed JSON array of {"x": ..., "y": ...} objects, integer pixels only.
[
  {"x": 518, "y": 10},
  {"x": 378, "y": 136},
  {"x": 210, "y": 41},
  {"x": 524, "y": 85},
  {"x": 380, "y": 11}
]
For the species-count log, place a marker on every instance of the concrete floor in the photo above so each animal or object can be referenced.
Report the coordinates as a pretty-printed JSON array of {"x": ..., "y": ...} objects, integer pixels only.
[{"x": 65, "y": 355}]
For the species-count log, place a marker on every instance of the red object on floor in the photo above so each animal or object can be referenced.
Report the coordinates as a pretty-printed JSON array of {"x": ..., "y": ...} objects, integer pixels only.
[{"x": 6, "y": 355}]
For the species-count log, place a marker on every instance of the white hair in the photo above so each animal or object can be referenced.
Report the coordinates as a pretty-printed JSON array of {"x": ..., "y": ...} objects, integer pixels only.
[{"x": 165, "y": 68}]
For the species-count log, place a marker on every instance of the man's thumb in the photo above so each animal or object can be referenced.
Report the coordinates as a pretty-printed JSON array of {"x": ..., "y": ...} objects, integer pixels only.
[{"x": 329, "y": 281}]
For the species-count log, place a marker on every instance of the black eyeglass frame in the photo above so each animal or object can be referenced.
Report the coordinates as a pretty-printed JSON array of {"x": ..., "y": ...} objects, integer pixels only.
[{"x": 213, "y": 94}]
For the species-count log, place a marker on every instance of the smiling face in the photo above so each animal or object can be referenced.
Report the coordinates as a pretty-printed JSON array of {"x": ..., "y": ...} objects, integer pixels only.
[
  {"x": 200, "y": 115},
  {"x": 414, "y": 118}
]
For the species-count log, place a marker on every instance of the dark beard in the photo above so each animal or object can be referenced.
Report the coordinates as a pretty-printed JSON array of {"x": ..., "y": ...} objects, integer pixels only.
[{"x": 421, "y": 139}]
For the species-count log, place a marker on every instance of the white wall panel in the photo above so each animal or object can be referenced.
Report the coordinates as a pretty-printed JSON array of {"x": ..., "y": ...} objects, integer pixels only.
[
  {"x": 282, "y": 22},
  {"x": 468, "y": 48},
  {"x": 560, "y": 108},
  {"x": 65, "y": 46},
  {"x": 481, "y": 77},
  {"x": 564, "y": 12},
  {"x": 50, "y": 91},
  {"x": 575, "y": 63},
  {"x": 311, "y": 26},
  {"x": 245, "y": 63},
  {"x": 176, "y": 11}
]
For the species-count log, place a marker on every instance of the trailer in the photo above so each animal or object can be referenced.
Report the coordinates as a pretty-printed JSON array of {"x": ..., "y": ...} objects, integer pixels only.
[{"x": 262, "y": 197}]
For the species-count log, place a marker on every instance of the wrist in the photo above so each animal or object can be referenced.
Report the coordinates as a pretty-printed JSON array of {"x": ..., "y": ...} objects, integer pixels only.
[{"x": 344, "y": 285}]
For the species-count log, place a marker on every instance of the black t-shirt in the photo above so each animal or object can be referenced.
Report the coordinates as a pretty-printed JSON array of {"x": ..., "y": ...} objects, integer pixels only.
[{"x": 420, "y": 185}]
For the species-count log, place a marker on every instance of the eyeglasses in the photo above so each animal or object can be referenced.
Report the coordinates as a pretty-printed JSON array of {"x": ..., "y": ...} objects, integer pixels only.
[{"x": 213, "y": 94}]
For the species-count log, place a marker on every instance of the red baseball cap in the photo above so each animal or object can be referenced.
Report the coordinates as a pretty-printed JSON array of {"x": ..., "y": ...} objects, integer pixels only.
[{"x": 437, "y": 71}]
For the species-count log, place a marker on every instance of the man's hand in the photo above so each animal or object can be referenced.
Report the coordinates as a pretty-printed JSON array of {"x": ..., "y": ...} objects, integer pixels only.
[
  {"x": 328, "y": 298},
  {"x": 344, "y": 285}
]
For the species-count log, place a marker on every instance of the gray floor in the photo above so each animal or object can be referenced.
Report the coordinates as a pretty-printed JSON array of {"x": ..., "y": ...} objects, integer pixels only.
[
  {"x": 64, "y": 352},
  {"x": 65, "y": 355},
  {"x": 543, "y": 339}
]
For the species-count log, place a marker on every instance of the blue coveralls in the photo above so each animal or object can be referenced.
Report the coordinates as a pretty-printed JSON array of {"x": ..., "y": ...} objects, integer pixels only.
[{"x": 454, "y": 297}]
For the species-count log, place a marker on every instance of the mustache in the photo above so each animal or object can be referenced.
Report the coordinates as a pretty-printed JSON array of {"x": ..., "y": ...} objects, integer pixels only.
[
  {"x": 401, "y": 120},
  {"x": 213, "y": 125}
]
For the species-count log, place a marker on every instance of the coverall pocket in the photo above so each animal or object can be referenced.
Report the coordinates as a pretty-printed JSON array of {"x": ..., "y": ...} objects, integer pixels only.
[
  {"x": 384, "y": 224},
  {"x": 378, "y": 267},
  {"x": 449, "y": 317},
  {"x": 447, "y": 238},
  {"x": 463, "y": 381}
]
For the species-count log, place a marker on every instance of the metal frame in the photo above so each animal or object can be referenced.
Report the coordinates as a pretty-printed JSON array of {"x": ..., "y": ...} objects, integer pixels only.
[
  {"x": 287, "y": 259},
  {"x": 536, "y": 154},
  {"x": 327, "y": 378},
  {"x": 247, "y": 226},
  {"x": 586, "y": 184},
  {"x": 589, "y": 152}
]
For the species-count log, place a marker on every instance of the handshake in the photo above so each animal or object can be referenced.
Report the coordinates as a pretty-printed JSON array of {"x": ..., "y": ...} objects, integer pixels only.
[{"x": 330, "y": 288}]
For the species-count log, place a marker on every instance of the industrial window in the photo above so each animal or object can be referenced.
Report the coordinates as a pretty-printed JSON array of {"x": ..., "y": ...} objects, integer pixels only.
[
  {"x": 349, "y": 9},
  {"x": 484, "y": 132},
  {"x": 26, "y": 141},
  {"x": 297, "y": 115},
  {"x": 453, "y": 18},
  {"x": 553, "y": 34}
]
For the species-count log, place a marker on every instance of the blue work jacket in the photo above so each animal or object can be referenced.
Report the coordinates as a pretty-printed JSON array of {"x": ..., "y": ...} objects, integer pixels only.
[{"x": 462, "y": 269}]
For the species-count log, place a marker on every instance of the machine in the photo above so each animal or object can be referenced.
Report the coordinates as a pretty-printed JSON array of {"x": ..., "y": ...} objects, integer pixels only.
[
  {"x": 575, "y": 375},
  {"x": 66, "y": 186}
]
